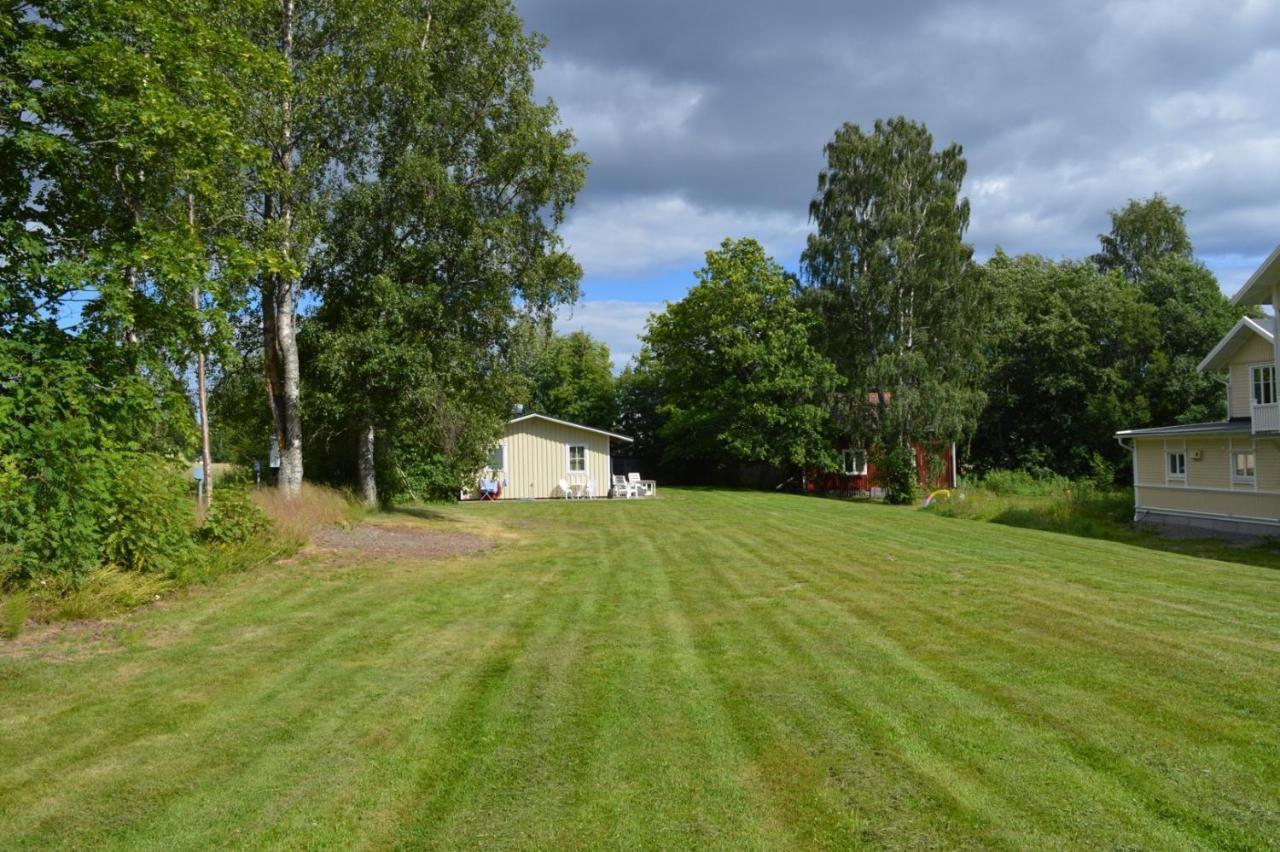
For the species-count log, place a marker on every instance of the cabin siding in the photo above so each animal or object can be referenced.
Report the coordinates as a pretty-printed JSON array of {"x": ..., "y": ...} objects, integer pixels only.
[{"x": 536, "y": 458}]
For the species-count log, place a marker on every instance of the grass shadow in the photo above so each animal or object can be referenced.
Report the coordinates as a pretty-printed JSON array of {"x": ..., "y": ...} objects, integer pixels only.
[{"x": 422, "y": 513}]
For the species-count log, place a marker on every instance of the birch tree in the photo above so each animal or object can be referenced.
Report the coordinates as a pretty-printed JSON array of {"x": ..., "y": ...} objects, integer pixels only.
[
  {"x": 451, "y": 218},
  {"x": 890, "y": 275}
]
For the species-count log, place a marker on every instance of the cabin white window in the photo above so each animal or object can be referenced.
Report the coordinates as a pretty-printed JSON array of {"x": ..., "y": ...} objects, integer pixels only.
[
  {"x": 1177, "y": 465},
  {"x": 1264, "y": 384},
  {"x": 853, "y": 462},
  {"x": 497, "y": 458},
  {"x": 577, "y": 458},
  {"x": 1243, "y": 466}
]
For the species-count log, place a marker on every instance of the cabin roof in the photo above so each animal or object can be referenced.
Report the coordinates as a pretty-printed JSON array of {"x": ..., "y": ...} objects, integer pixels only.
[{"x": 611, "y": 435}]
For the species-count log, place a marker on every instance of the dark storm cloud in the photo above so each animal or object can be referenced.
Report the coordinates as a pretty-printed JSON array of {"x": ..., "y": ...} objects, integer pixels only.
[
  {"x": 707, "y": 119},
  {"x": 1064, "y": 109}
]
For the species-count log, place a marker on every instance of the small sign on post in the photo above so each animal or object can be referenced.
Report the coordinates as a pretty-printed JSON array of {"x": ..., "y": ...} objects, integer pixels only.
[
  {"x": 257, "y": 473},
  {"x": 197, "y": 473}
]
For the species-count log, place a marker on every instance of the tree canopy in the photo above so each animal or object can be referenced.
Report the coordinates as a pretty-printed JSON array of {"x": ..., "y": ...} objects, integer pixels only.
[
  {"x": 889, "y": 274},
  {"x": 738, "y": 376},
  {"x": 571, "y": 377},
  {"x": 1142, "y": 234}
]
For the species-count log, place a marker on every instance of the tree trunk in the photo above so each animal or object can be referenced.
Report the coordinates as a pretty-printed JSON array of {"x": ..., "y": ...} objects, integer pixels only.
[
  {"x": 368, "y": 475},
  {"x": 202, "y": 397},
  {"x": 279, "y": 295}
]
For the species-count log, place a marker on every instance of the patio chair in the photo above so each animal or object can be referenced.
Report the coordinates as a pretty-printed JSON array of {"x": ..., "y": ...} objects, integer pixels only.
[
  {"x": 638, "y": 486},
  {"x": 564, "y": 490},
  {"x": 621, "y": 488},
  {"x": 489, "y": 489},
  {"x": 590, "y": 490}
]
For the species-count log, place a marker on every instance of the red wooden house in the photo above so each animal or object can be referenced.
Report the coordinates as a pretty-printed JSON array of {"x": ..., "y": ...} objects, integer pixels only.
[{"x": 857, "y": 473}]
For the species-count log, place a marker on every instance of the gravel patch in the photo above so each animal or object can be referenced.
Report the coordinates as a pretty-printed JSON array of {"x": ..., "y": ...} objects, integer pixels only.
[{"x": 398, "y": 541}]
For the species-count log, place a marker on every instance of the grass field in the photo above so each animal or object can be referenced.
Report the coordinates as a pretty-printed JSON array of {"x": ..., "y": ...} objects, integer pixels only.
[{"x": 723, "y": 669}]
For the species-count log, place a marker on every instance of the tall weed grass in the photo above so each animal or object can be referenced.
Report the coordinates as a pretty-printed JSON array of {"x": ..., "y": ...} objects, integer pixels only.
[{"x": 243, "y": 530}]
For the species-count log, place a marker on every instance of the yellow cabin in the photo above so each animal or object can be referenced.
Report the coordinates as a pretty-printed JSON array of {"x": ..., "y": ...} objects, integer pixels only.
[{"x": 539, "y": 456}]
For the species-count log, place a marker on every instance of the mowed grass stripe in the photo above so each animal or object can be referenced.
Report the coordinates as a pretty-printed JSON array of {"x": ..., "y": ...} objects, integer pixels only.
[
  {"x": 1111, "y": 761},
  {"x": 951, "y": 721},
  {"x": 711, "y": 669}
]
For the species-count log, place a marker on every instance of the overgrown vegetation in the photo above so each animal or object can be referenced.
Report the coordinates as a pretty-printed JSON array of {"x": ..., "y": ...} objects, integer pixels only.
[
  {"x": 160, "y": 545},
  {"x": 1086, "y": 508}
]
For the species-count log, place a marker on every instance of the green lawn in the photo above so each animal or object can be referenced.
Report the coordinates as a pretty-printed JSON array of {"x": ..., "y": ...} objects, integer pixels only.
[{"x": 711, "y": 668}]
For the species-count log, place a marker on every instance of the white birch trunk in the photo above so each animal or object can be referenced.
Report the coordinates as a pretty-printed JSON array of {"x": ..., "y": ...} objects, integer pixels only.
[
  {"x": 368, "y": 473},
  {"x": 202, "y": 396}
]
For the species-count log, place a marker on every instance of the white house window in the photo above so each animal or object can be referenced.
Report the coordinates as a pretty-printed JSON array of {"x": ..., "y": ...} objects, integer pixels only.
[
  {"x": 497, "y": 458},
  {"x": 1177, "y": 465},
  {"x": 577, "y": 458},
  {"x": 1264, "y": 385},
  {"x": 854, "y": 462},
  {"x": 1243, "y": 465}
]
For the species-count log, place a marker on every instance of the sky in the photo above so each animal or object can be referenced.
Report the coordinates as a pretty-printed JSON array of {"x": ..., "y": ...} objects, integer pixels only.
[{"x": 705, "y": 119}]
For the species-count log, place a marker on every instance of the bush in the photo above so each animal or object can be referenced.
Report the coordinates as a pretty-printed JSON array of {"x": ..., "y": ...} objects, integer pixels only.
[
  {"x": 233, "y": 517},
  {"x": 152, "y": 524},
  {"x": 896, "y": 474}
]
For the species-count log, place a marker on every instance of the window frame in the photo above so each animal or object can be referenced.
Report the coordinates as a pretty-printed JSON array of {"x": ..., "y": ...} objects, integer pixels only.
[
  {"x": 1252, "y": 469},
  {"x": 568, "y": 453},
  {"x": 1178, "y": 470},
  {"x": 1267, "y": 385},
  {"x": 848, "y": 457},
  {"x": 501, "y": 450}
]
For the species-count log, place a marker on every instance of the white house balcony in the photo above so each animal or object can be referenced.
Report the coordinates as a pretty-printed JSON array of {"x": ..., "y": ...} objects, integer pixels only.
[{"x": 1266, "y": 418}]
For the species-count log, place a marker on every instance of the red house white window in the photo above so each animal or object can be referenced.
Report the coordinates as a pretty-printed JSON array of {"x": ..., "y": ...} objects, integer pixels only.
[{"x": 853, "y": 462}]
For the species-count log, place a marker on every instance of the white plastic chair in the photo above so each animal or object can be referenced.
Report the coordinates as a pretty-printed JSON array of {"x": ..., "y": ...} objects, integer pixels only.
[
  {"x": 590, "y": 491},
  {"x": 637, "y": 485},
  {"x": 564, "y": 490},
  {"x": 621, "y": 488}
]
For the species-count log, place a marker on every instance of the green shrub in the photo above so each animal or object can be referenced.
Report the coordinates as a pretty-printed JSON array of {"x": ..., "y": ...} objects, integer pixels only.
[
  {"x": 13, "y": 614},
  {"x": 152, "y": 524},
  {"x": 233, "y": 517},
  {"x": 896, "y": 474}
]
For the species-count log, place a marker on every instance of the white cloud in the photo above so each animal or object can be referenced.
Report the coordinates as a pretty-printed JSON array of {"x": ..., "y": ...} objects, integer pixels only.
[
  {"x": 612, "y": 107},
  {"x": 629, "y": 237},
  {"x": 617, "y": 322}
]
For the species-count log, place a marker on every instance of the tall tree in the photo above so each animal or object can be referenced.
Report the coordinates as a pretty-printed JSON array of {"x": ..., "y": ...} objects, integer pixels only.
[
  {"x": 1143, "y": 233},
  {"x": 316, "y": 117},
  {"x": 738, "y": 379},
  {"x": 572, "y": 379},
  {"x": 451, "y": 221},
  {"x": 889, "y": 274}
]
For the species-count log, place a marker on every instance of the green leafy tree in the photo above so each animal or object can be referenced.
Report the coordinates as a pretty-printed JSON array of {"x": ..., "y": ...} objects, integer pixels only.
[
  {"x": 1068, "y": 346},
  {"x": 572, "y": 379},
  {"x": 447, "y": 234},
  {"x": 120, "y": 131},
  {"x": 1142, "y": 234},
  {"x": 1193, "y": 315},
  {"x": 639, "y": 404},
  {"x": 889, "y": 275},
  {"x": 738, "y": 379}
]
